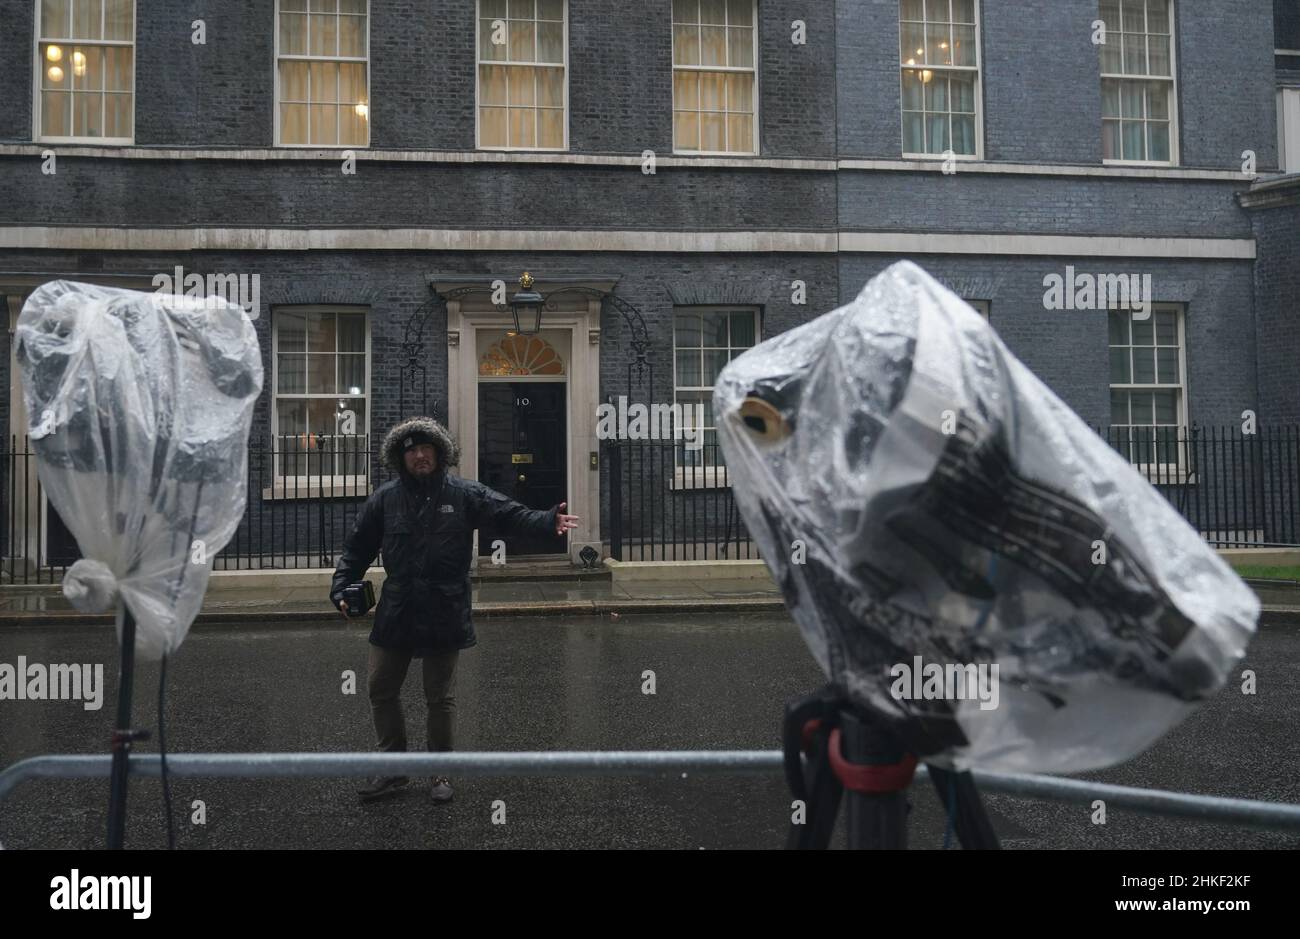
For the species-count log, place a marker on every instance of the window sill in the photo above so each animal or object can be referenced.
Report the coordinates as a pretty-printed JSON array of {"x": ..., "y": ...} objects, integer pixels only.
[
  {"x": 340, "y": 147},
  {"x": 340, "y": 487},
  {"x": 522, "y": 149},
  {"x": 1166, "y": 475},
  {"x": 940, "y": 158},
  {"x": 1156, "y": 164},
  {"x": 87, "y": 141},
  {"x": 738, "y": 154}
]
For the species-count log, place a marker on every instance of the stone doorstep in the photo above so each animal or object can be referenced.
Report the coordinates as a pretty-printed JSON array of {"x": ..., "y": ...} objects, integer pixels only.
[
  {"x": 651, "y": 571},
  {"x": 319, "y": 579}
]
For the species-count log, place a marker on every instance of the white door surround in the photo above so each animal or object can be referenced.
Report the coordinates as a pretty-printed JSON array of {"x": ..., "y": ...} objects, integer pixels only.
[{"x": 576, "y": 313}]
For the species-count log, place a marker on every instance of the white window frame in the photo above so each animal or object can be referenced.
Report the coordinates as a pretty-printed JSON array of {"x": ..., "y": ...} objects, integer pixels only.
[
  {"x": 1159, "y": 471},
  {"x": 1288, "y": 130},
  {"x": 978, "y": 69},
  {"x": 276, "y": 58},
  {"x": 39, "y": 65},
  {"x": 1173, "y": 93},
  {"x": 754, "y": 69},
  {"x": 706, "y": 477},
  {"x": 339, "y": 485},
  {"x": 478, "y": 64}
]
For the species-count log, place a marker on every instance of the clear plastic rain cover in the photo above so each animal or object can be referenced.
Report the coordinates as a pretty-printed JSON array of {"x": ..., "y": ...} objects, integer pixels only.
[
  {"x": 139, "y": 407},
  {"x": 965, "y": 558}
]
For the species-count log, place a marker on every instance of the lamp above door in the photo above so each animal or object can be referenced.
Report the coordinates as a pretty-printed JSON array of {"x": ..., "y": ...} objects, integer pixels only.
[{"x": 526, "y": 306}]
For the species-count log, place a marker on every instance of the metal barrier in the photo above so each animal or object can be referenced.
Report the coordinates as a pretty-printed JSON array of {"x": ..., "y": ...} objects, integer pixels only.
[{"x": 1207, "y": 809}]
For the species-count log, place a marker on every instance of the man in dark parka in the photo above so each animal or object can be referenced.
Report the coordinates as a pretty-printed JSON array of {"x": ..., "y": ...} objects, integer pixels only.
[{"x": 424, "y": 520}]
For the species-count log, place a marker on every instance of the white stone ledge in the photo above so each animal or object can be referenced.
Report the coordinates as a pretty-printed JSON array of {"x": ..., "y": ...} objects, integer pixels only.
[
  {"x": 335, "y": 155},
  {"x": 662, "y": 160},
  {"x": 409, "y": 239},
  {"x": 636, "y": 572},
  {"x": 1100, "y": 246},
  {"x": 86, "y": 238},
  {"x": 1110, "y": 171}
]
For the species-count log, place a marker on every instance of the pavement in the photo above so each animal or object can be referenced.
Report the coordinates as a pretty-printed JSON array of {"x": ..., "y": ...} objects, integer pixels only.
[
  {"x": 554, "y": 595},
  {"x": 566, "y": 683}
]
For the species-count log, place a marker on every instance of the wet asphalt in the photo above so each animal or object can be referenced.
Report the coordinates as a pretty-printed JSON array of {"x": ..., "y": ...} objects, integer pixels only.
[{"x": 555, "y": 683}]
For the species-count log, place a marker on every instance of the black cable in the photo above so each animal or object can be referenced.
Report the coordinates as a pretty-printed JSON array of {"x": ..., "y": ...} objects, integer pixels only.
[
  {"x": 162, "y": 751},
  {"x": 952, "y": 811}
]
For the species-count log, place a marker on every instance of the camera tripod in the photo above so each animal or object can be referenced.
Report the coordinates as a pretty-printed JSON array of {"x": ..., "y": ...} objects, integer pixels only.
[{"x": 846, "y": 750}]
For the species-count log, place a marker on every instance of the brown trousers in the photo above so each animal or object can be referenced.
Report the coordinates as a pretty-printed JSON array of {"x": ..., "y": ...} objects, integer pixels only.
[{"x": 387, "y": 673}]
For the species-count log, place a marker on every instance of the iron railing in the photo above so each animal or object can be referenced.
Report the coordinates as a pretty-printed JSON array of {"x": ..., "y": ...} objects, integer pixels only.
[
  {"x": 665, "y": 502},
  {"x": 302, "y": 497},
  {"x": 668, "y": 503},
  {"x": 1239, "y": 490}
]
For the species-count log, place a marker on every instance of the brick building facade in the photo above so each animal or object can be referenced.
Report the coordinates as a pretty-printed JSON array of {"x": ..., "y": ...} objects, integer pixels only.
[{"x": 793, "y": 143}]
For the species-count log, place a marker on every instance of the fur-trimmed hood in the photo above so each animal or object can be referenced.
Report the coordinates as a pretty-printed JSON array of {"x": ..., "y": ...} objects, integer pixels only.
[{"x": 391, "y": 450}]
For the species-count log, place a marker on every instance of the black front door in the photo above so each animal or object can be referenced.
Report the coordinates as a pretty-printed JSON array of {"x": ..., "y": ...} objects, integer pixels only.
[{"x": 521, "y": 453}]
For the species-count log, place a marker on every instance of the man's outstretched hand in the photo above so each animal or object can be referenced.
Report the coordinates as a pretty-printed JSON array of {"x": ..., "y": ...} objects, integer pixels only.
[{"x": 565, "y": 522}]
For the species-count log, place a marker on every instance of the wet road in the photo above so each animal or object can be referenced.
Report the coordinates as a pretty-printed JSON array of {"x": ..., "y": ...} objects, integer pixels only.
[{"x": 560, "y": 684}]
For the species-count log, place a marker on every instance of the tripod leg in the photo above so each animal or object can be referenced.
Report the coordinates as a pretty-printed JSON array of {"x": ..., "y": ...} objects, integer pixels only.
[
  {"x": 974, "y": 830},
  {"x": 823, "y": 802},
  {"x": 876, "y": 820},
  {"x": 121, "y": 737},
  {"x": 808, "y": 771}
]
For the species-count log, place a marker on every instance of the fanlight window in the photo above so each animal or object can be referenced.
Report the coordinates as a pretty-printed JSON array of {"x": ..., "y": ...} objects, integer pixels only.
[{"x": 521, "y": 355}]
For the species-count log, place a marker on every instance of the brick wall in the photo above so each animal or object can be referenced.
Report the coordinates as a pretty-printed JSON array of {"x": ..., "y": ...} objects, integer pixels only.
[{"x": 1277, "y": 305}]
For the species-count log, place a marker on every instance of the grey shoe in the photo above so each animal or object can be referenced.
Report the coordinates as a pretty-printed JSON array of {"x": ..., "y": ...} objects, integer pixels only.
[
  {"x": 382, "y": 787},
  {"x": 440, "y": 791}
]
